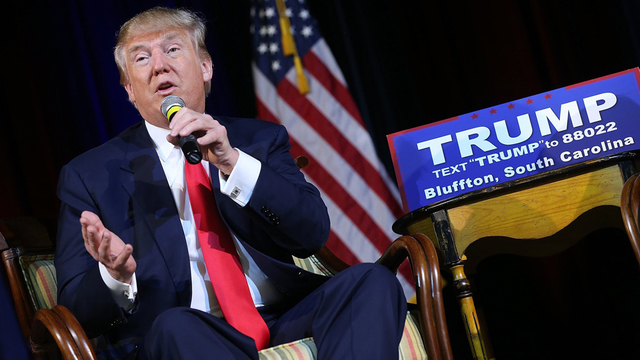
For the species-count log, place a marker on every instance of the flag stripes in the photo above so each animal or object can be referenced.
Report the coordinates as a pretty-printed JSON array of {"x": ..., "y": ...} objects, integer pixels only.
[
  {"x": 331, "y": 103},
  {"x": 325, "y": 125},
  {"x": 315, "y": 144},
  {"x": 353, "y": 222},
  {"x": 342, "y": 147}
]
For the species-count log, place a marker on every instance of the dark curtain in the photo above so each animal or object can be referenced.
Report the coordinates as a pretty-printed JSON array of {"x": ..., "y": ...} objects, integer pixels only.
[{"x": 407, "y": 63}]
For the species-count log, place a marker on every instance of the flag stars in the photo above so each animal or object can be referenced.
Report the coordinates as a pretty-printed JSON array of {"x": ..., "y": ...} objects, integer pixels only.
[
  {"x": 307, "y": 31},
  {"x": 304, "y": 14},
  {"x": 263, "y": 31},
  {"x": 548, "y": 96},
  {"x": 262, "y": 48},
  {"x": 273, "y": 48},
  {"x": 289, "y": 12},
  {"x": 271, "y": 30},
  {"x": 269, "y": 12},
  {"x": 474, "y": 116},
  {"x": 529, "y": 101},
  {"x": 511, "y": 106},
  {"x": 492, "y": 111},
  {"x": 275, "y": 66}
]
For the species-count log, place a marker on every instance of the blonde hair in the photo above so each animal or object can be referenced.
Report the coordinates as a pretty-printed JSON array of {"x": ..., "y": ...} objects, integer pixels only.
[{"x": 156, "y": 19}]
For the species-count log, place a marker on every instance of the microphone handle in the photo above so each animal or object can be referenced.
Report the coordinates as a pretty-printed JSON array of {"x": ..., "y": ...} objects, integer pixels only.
[{"x": 190, "y": 148}]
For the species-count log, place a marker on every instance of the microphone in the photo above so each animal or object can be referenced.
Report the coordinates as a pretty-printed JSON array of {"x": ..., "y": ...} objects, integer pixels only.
[{"x": 170, "y": 106}]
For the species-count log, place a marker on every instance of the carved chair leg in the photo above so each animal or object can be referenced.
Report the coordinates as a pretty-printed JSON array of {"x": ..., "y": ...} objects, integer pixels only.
[{"x": 469, "y": 315}]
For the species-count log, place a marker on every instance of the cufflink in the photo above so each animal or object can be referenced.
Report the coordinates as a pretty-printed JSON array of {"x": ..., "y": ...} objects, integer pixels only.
[{"x": 236, "y": 191}]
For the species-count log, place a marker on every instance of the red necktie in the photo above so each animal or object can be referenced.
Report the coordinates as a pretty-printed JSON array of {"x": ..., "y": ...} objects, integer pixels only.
[{"x": 221, "y": 258}]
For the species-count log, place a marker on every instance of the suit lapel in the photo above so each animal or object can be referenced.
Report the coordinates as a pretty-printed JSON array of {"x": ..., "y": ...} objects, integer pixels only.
[{"x": 153, "y": 204}]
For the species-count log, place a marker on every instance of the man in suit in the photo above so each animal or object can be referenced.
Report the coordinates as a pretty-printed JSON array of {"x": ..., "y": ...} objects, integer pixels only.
[{"x": 128, "y": 259}]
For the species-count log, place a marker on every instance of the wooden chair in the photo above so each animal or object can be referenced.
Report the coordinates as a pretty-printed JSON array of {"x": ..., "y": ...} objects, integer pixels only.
[
  {"x": 629, "y": 204},
  {"x": 53, "y": 332}
]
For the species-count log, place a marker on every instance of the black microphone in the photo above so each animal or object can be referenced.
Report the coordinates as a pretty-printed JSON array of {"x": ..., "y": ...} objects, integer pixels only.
[{"x": 170, "y": 106}]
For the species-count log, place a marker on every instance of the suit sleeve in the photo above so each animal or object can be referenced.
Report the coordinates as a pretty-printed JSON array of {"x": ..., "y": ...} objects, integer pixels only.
[
  {"x": 80, "y": 286},
  {"x": 288, "y": 207}
]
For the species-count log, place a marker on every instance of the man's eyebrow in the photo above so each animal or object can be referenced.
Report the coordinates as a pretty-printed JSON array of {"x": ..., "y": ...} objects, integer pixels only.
[
  {"x": 165, "y": 37},
  {"x": 134, "y": 48}
]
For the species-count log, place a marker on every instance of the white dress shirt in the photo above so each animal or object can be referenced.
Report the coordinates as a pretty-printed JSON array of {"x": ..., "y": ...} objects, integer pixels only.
[{"x": 239, "y": 187}]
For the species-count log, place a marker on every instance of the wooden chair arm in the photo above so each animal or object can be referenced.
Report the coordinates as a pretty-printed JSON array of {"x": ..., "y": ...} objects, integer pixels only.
[
  {"x": 330, "y": 261},
  {"x": 82, "y": 342},
  {"x": 407, "y": 247},
  {"x": 48, "y": 334},
  {"x": 425, "y": 266},
  {"x": 436, "y": 294},
  {"x": 21, "y": 297}
]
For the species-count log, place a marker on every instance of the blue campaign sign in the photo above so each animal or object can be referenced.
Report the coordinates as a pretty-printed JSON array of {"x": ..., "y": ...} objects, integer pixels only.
[{"x": 518, "y": 139}]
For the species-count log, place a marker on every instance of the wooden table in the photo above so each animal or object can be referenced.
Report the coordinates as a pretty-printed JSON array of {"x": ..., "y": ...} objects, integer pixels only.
[{"x": 536, "y": 216}]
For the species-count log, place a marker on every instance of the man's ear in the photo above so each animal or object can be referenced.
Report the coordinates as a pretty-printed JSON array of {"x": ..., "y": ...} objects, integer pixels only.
[
  {"x": 207, "y": 69},
  {"x": 129, "y": 88}
]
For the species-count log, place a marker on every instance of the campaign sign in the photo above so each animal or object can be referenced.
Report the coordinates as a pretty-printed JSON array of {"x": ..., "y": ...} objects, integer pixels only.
[{"x": 548, "y": 131}]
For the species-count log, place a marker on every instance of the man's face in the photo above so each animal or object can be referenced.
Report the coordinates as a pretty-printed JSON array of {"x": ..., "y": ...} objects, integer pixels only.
[{"x": 165, "y": 63}]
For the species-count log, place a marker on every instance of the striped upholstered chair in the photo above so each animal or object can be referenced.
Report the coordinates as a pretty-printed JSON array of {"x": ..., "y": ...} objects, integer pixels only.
[{"x": 53, "y": 332}]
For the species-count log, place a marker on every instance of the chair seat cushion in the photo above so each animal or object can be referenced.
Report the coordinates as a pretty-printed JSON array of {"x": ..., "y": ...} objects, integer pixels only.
[
  {"x": 304, "y": 349},
  {"x": 40, "y": 271},
  {"x": 411, "y": 346}
]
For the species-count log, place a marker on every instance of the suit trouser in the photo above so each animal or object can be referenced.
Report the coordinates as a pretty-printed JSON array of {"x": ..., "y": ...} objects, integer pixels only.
[{"x": 357, "y": 314}]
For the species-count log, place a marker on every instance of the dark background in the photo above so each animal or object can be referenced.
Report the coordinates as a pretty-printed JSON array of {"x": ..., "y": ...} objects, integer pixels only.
[{"x": 407, "y": 63}]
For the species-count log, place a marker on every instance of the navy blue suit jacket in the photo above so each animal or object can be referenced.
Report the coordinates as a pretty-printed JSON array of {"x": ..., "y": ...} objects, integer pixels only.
[{"x": 123, "y": 182}]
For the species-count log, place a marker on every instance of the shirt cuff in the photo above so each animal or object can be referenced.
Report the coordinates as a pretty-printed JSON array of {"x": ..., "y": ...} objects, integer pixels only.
[
  {"x": 242, "y": 180},
  {"x": 124, "y": 294}
]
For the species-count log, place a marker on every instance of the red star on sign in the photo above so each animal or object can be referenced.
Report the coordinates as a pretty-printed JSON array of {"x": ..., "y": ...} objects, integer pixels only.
[
  {"x": 492, "y": 111},
  {"x": 548, "y": 96},
  {"x": 474, "y": 116},
  {"x": 511, "y": 106},
  {"x": 529, "y": 101}
]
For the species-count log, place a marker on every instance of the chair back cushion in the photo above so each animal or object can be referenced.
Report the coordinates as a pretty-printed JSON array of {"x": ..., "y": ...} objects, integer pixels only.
[
  {"x": 312, "y": 264},
  {"x": 40, "y": 276}
]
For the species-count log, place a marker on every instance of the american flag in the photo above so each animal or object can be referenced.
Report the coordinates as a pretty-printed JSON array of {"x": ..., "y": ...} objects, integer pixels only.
[{"x": 298, "y": 84}]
